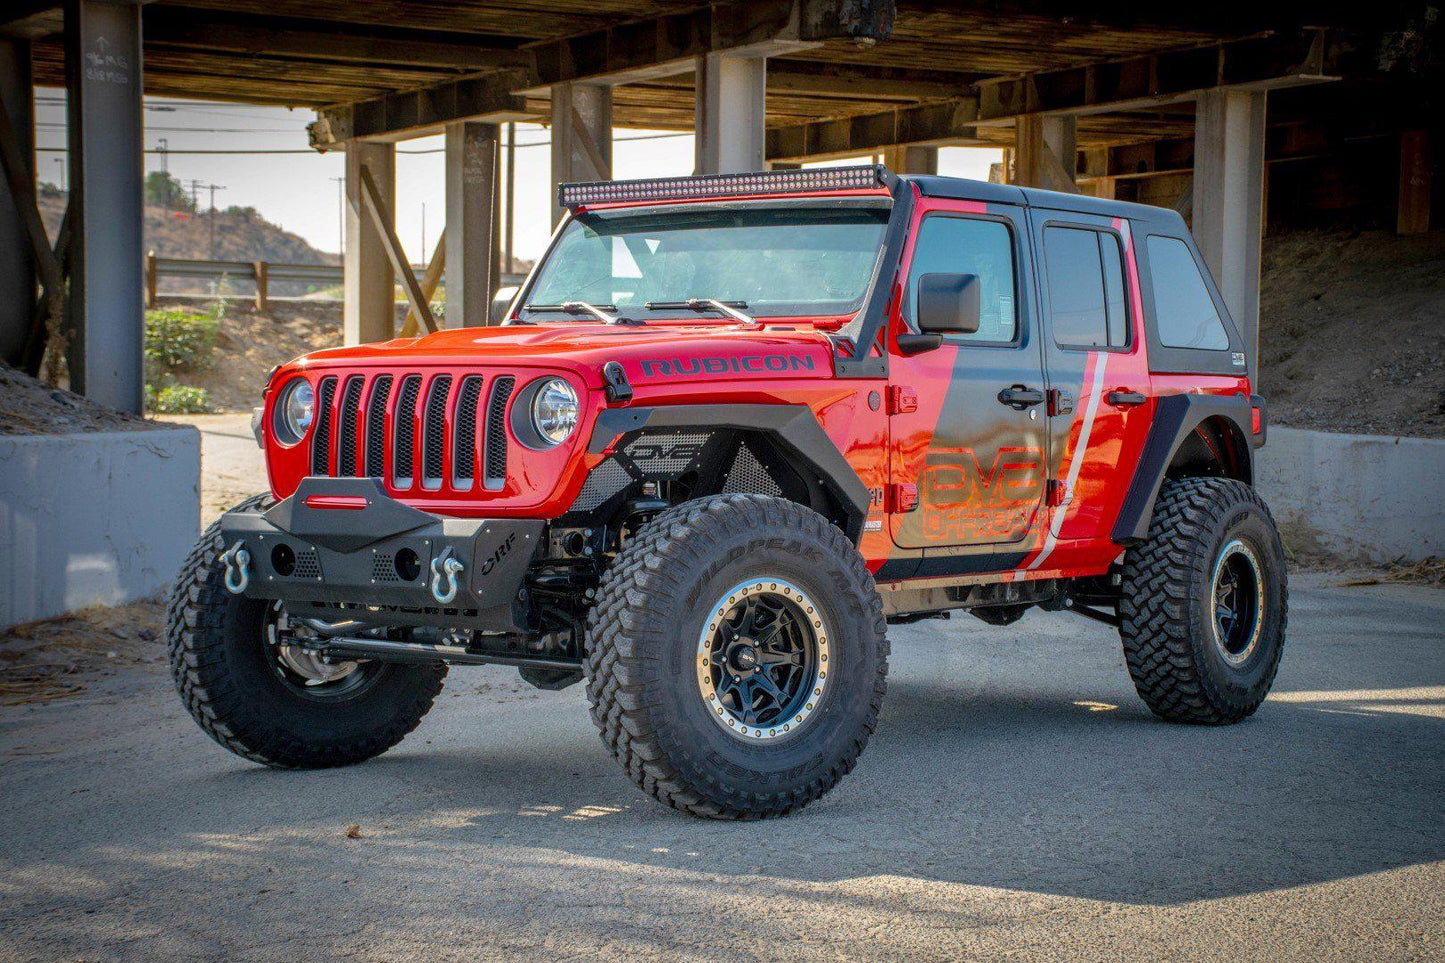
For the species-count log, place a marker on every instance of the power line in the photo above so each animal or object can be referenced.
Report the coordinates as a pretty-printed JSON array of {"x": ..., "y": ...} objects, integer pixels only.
[{"x": 433, "y": 150}]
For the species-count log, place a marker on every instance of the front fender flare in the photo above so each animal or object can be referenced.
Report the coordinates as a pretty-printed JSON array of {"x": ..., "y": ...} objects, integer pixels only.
[{"x": 794, "y": 428}]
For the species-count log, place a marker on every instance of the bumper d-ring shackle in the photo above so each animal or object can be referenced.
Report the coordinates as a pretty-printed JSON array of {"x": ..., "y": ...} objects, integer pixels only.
[
  {"x": 445, "y": 568},
  {"x": 237, "y": 563}
]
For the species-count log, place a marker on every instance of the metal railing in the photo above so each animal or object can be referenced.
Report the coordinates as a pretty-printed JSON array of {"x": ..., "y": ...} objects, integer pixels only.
[{"x": 263, "y": 273}]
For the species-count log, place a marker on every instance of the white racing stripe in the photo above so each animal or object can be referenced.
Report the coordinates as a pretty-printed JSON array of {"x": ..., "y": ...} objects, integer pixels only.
[{"x": 1091, "y": 408}]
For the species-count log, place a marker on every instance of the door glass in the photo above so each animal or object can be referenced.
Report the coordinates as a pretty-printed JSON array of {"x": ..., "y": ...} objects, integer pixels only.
[
  {"x": 1086, "y": 288},
  {"x": 960, "y": 245}
]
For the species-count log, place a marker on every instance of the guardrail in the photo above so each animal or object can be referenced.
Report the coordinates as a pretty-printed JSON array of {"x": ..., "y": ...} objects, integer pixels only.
[{"x": 261, "y": 272}]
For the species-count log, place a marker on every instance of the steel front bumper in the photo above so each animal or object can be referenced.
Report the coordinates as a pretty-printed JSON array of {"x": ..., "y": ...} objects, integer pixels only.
[{"x": 345, "y": 543}]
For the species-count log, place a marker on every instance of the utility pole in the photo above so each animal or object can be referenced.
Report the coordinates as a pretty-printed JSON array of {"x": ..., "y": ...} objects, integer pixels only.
[
  {"x": 340, "y": 215},
  {"x": 213, "y": 188},
  {"x": 511, "y": 196},
  {"x": 165, "y": 147},
  {"x": 195, "y": 201},
  {"x": 61, "y": 162}
]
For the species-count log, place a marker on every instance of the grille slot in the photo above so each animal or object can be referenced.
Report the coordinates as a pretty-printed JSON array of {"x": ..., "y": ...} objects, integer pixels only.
[
  {"x": 346, "y": 444},
  {"x": 405, "y": 431},
  {"x": 494, "y": 462},
  {"x": 376, "y": 428},
  {"x": 434, "y": 432},
  {"x": 464, "y": 447},
  {"x": 321, "y": 439}
]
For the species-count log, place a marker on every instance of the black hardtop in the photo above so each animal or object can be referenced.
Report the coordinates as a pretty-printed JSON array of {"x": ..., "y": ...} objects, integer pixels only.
[{"x": 964, "y": 189}]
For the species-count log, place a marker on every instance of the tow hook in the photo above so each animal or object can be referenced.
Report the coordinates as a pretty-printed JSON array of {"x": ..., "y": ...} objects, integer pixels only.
[
  {"x": 445, "y": 566},
  {"x": 237, "y": 562}
]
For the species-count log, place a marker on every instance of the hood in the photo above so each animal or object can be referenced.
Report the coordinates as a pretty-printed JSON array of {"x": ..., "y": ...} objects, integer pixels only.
[{"x": 656, "y": 351}]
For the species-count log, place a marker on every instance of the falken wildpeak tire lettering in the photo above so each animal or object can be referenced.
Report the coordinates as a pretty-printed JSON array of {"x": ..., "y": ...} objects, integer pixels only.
[
  {"x": 1169, "y": 645},
  {"x": 642, "y": 642},
  {"x": 214, "y": 655}
]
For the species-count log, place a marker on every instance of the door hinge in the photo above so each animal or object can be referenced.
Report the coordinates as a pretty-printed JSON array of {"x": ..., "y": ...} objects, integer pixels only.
[
  {"x": 1060, "y": 402},
  {"x": 902, "y": 497},
  {"x": 901, "y": 399}
]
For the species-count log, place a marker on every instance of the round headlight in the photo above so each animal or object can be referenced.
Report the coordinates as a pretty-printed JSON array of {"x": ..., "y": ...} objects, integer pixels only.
[
  {"x": 554, "y": 411},
  {"x": 295, "y": 410}
]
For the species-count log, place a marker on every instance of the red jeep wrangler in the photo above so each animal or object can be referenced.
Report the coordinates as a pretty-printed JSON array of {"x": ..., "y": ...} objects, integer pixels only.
[{"x": 732, "y": 427}]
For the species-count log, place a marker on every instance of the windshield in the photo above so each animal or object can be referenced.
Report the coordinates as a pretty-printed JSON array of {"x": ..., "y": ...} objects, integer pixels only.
[{"x": 778, "y": 261}]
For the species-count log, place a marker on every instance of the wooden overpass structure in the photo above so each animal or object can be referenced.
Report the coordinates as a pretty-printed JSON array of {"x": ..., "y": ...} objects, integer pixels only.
[{"x": 1180, "y": 104}]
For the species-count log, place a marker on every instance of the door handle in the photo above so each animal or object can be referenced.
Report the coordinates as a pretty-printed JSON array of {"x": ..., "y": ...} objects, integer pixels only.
[
  {"x": 1124, "y": 398},
  {"x": 1018, "y": 397}
]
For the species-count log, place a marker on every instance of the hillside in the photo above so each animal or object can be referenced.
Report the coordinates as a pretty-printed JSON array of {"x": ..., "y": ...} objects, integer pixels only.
[{"x": 241, "y": 234}]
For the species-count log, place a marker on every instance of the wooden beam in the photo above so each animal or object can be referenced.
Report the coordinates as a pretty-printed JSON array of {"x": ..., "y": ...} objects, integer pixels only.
[
  {"x": 323, "y": 40},
  {"x": 862, "y": 82},
  {"x": 376, "y": 207},
  {"x": 430, "y": 280},
  {"x": 1415, "y": 183},
  {"x": 626, "y": 53},
  {"x": 1256, "y": 63}
]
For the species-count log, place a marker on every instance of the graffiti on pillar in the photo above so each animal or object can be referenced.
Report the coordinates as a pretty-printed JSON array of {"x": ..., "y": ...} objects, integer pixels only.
[{"x": 106, "y": 64}]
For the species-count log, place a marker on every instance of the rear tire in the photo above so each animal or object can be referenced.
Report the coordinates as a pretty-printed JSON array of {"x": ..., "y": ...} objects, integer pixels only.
[
  {"x": 737, "y": 657},
  {"x": 1204, "y": 603},
  {"x": 230, "y": 681}
]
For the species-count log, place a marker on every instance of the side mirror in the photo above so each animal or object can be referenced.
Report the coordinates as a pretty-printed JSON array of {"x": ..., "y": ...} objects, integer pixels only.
[{"x": 948, "y": 304}]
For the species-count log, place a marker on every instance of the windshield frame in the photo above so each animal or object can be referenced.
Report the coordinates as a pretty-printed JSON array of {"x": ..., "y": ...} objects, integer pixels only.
[{"x": 517, "y": 313}]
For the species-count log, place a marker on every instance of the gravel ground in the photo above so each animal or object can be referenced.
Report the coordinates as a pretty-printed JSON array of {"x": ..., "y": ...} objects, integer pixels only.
[{"x": 1016, "y": 799}]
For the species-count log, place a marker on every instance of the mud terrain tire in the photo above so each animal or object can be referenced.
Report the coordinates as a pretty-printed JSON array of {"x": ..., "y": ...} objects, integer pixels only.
[
  {"x": 221, "y": 669},
  {"x": 1182, "y": 662},
  {"x": 645, "y": 637}
]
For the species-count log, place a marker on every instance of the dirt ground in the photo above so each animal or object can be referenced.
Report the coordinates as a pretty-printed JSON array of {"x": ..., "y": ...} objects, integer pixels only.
[
  {"x": 1353, "y": 332},
  {"x": 30, "y": 407},
  {"x": 248, "y": 345}
]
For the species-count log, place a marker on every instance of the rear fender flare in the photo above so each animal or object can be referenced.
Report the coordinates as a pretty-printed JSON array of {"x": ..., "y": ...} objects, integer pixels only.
[{"x": 1175, "y": 418}]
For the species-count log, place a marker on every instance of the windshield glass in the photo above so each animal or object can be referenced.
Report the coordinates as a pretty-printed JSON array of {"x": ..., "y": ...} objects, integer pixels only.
[{"x": 780, "y": 261}]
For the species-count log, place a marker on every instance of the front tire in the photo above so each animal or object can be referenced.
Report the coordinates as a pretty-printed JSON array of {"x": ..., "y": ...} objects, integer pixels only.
[
  {"x": 287, "y": 712},
  {"x": 1204, "y": 603},
  {"x": 737, "y": 657}
]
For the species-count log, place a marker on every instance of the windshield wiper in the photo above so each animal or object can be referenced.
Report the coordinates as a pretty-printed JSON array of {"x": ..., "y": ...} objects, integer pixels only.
[
  {"x": 598, "y": 311},
  {"x": 729, "y": 308}
]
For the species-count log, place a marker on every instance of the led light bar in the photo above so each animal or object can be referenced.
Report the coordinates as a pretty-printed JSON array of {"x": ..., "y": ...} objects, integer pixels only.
[{"x": 725, "y": 185}]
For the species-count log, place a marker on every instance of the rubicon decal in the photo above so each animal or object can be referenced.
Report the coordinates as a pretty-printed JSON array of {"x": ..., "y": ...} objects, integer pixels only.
[{"x": 740, "y": 364}]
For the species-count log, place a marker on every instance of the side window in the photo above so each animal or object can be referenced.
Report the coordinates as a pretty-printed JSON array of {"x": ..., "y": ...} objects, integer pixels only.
[
  {"x": 1183, "y": 309},
  {"x": 960, "y": 245},
  {"x": 1085, "y": 272}
]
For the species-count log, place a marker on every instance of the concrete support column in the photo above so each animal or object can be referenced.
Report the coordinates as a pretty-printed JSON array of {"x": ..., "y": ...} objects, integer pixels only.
[
  {"x": 1228, "y": 201},
  {"x": 1045, "y": 152},
  {"x": 1416, "y": 181},
  {"x": 729, "y": 115},
  {"x": 103, "y": 74},
  {"x": 471, "y": 182},
  {"x": 911, "y": 160},
  {"x": 368, "y": 285},
  {"x": 581, "y": 136},
  {"x": 17, "y": 265}
]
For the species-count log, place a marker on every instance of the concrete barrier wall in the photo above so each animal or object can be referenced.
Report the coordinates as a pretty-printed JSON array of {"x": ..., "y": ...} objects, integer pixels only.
[
  {"x": 95, "y": 518},
  {"x": 1371, "y": 497}
]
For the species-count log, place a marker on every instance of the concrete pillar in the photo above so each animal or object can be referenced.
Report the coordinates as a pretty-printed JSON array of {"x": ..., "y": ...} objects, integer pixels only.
[
  {"x": 911, "y": 160},
  {"x": 1416, "y": 181},
  {"x": 729, "y": 114},
  {"x": 17, "y": 265},
  {"x": 368, "y": 285},
  {"x": 471, "y": 183},
  {"x": 103, "y": 74},
  {"x": 1228, "y": 201},
  {"x": 1045, "y": 152},
  {"x": 581, "y": 136}
]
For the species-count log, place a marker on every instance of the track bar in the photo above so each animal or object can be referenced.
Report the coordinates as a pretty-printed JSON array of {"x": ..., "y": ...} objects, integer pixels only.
[{"x": 392, "y": 651}]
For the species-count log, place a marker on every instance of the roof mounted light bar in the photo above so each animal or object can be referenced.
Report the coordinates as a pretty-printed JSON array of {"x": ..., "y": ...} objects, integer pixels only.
[{"x": 572, "y": 196}]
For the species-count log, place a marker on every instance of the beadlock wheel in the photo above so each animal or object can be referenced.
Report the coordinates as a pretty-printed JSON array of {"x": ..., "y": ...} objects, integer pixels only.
[{"x": 762, "y": 659}]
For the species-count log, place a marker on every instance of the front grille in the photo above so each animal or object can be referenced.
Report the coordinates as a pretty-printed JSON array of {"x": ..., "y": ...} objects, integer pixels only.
[
  {"x": 445, "y": 430},
  {"x": 321, "y": 441},
  {"x": 346, "y": 443}
]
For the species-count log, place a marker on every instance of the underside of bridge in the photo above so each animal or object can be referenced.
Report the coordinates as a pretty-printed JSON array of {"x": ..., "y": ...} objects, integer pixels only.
[{"x": 1206, "y": 107}]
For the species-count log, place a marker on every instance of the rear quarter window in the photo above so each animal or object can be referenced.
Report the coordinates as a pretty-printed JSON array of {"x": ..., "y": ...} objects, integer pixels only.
[{"x": 1184, "y": 312}]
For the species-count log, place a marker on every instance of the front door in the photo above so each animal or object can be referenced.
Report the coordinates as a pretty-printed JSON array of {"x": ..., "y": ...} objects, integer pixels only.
[{"x": 969, "y": 423}]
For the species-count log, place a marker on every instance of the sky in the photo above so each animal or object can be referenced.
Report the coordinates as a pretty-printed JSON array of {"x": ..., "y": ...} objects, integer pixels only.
[{"x": 297, "y": 190}]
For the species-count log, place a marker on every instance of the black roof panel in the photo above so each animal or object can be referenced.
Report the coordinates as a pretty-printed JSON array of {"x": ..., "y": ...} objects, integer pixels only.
[{"x": 964, "y": 189}]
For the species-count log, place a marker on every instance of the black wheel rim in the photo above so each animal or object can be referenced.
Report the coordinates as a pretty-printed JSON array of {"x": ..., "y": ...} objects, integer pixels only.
[
  {"x": 762, "y": 659},
  {"x": 309, "y": 676},
  {"x": 1236, "y": 602}
]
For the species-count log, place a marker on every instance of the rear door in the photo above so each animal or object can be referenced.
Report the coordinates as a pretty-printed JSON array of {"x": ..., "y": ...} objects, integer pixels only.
[{"x": 977, "y": 460}]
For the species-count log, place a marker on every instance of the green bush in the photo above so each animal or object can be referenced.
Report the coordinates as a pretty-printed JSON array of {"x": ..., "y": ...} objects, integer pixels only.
[
  {"x": 176, "y": 338},
  {"x": 178, "y": 400}
]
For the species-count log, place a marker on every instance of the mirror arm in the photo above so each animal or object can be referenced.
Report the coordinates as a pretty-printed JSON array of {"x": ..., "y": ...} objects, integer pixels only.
[{"x": 911, "y": 344}]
